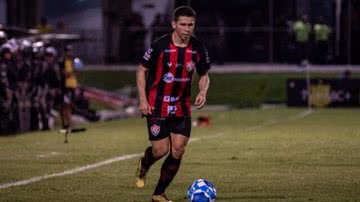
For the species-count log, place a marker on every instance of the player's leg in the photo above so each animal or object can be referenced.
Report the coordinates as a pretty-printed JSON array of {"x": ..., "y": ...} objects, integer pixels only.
[
  {"x": 160, "y": 146},
  {"x": 66, "y": 110},
  {"x": 179, "y": 139}
]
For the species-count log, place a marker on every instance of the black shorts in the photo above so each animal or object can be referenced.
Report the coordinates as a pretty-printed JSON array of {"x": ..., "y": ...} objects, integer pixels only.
[{"x": 160, "y": 128}]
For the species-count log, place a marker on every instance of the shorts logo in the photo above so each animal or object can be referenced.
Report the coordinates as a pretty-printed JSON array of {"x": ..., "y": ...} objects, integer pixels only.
[
  {"x": 190, "y": 66},
  {"x": 168, "y": 77},
  {"x": 155, "y": 129}
]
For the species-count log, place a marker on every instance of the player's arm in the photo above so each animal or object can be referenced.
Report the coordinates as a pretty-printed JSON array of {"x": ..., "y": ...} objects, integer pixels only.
[
  {"x": 144, "y": 106},
  {"x": 204, "y": 82}
]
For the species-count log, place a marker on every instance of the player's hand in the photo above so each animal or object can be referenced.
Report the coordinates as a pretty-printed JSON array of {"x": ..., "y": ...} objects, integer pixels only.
[
  {"x": 200, "y": 100},
  {"x": 145, "y": 108}
]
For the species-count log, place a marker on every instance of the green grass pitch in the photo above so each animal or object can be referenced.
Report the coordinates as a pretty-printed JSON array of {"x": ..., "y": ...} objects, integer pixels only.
[{"x": 249, "y": 154}]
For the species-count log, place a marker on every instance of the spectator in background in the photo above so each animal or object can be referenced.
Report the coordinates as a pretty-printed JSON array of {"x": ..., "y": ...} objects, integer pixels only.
[
  {"x": 322, "y": 34},
  {"x": 23, "y": 91},
  {"x": 51, "y": 81},
  {"x": 302, "y": 30},
  {"x": 44, "y": 27},
  {"x": 69, "y": 84},
  {"x": 7, "y": 88}
]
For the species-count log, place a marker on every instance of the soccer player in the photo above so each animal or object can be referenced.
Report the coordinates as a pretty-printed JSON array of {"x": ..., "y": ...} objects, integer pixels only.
[{"x": 164, "y": 84}]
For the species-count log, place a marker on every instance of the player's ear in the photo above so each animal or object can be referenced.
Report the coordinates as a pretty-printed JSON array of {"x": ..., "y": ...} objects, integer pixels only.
[{"x": 173, "y": 24}]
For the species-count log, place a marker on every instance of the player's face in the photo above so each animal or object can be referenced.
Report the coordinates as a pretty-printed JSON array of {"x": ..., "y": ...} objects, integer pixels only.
[{"x": 184, "y": 27}]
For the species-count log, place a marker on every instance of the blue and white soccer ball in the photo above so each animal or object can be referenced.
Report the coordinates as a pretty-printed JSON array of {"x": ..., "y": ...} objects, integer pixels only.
[{"x": 201, "y": 191}]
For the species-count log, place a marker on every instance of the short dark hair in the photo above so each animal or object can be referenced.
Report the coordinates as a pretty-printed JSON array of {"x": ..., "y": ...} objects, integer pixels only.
[{"x": 183, "y": 11}]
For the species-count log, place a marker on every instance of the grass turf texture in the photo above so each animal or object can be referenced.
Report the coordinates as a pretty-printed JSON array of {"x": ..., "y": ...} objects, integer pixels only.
[
  {"x": 263, "y": 155},
  {"x": 238, "y": 90}
]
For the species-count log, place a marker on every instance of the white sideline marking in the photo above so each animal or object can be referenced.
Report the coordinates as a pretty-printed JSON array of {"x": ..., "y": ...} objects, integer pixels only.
[
  {"x": 47, "y": 155},
  {"x": 205, "y": 138},
  {"x": 69, "y": 172},
  {"x": 130, "y": 156},
  {"x": 87, "y": 167},
  {"x": 300, "y": 115}
]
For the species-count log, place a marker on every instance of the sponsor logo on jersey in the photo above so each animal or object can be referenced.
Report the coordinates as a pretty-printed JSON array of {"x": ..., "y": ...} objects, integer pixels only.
[
  {"x": 155, "y": 130},
  {"x": 169, "y": 64},
  {"x": 147, "y": 54},
  {"x": 190, "y": 66},
  {"x": 168, "y": 77},
  {"x": 170, "y": 99},
  {"x": 207, "y": 58},
  {"x": 171, "y": 109},
  {"x": 170, "y": 50}
]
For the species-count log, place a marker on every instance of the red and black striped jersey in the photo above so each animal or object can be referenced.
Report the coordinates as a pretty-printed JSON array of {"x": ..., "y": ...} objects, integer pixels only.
[{"x": 170, "y": 73}]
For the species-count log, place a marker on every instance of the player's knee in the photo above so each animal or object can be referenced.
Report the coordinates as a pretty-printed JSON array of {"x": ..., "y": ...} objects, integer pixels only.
[
  {"x": 160, "y": 152},
  {"x": 178, "y": 151}
]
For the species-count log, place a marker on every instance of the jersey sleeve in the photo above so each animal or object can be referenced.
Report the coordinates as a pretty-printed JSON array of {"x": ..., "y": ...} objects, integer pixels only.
[
  {"x": 203, "y": 64},
  {"x": 150, "y": 56}
]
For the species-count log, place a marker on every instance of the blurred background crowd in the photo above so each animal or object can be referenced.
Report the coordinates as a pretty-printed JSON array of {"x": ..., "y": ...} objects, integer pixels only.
[
  {"x": 34, "y": 78},
  {"x": 245, "y": 31}
]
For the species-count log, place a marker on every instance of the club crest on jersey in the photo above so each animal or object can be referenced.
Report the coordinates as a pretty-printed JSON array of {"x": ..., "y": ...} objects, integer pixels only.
[
  {"x": 155, "y": 129},
  {"x": 168, "y": 77},
  {"x": 190, "y": 66}
]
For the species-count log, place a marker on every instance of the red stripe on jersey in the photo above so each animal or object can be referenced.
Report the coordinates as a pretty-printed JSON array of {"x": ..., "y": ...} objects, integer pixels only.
[
  {"x": 185, "y": 74},
  {"x": 169, "y": 86},
  {"x": 197, "y": 57},
  {"x": 154, "y": 87}
]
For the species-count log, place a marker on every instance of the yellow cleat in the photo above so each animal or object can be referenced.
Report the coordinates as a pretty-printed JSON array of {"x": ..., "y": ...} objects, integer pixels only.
[
  {"x": 140, "y": 176},
  {"x": 160, "y": 198}
]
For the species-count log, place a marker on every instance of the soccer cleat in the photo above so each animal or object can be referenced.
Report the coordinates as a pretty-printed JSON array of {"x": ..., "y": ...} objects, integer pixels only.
[
  {"x": 62, "y": 131},
  {"x": 140, "y": 175},
  {"x": 160, "y": 198}
]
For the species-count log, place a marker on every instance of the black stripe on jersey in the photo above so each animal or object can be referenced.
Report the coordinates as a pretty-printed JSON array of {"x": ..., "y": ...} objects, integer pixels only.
[
  {"x": 161, "y": 88},
  {"x": 179, "y": 70}
]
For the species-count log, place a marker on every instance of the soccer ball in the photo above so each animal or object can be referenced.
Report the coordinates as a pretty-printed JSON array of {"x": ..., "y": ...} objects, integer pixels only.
[{"x": 201, "y": 191}]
